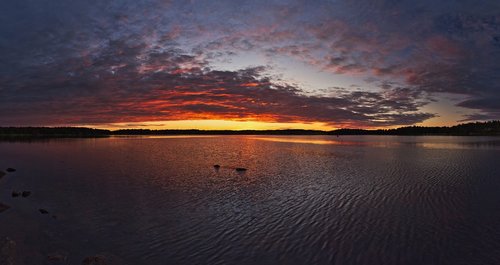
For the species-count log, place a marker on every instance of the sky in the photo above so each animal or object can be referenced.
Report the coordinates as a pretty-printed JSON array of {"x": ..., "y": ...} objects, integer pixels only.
[{"x": 270, "y": 64}]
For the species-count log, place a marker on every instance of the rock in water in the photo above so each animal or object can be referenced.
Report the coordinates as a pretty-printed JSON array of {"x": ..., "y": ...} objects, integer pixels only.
[
  {"x": 10, "y": 169},
  {"x": 26, "y": 193},
  {"x": 56, "y": 259},
  {"x": 15, "y": 194},
  {"x": 241, "y": 169},
  {"x": 7, "y": 252},
  {"x": 43, "y": 211},
  {"x": 3, "y": 207},
  {"x": 94, "y": 260}
]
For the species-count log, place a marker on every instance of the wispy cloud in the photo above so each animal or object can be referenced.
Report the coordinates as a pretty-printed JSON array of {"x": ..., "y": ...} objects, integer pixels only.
[
  {"x": 128, "y": 61},
  {"x": 169, "y": 85}
]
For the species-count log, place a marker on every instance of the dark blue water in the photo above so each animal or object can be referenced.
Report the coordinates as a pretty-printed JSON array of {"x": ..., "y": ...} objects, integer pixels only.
[{"x": 303, "y": 200}]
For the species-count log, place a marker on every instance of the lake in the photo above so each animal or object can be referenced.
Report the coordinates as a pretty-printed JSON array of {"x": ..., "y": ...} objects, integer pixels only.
[{"x": 302, "y": 200}]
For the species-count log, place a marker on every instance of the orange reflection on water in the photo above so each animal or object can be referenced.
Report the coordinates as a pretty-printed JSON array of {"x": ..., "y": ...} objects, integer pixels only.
[
  {"x": 163, "y": 136},
  {"x": 302, "y": 140}
]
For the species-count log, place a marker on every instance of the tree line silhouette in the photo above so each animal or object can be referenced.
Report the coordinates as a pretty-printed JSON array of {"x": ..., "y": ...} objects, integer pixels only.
[{"x": 466, "y": 129}]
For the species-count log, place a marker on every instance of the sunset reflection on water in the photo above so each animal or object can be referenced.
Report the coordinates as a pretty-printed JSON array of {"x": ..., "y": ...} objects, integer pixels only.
[
  {"x": 159, "y": 199},
  {"x": 301, "y": 140}
]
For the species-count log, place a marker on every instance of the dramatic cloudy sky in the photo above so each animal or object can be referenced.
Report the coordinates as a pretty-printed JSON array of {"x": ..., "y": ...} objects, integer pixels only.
[{"x": 249, "y": 64}]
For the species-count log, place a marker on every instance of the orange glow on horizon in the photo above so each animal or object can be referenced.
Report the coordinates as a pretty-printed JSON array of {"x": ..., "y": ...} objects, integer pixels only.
[
  {"x": 213, "y": 124},
  {"x": 216, "y": 122}
]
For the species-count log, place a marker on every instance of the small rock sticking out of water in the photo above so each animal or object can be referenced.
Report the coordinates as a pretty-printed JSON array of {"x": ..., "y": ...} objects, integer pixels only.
[
  {"x": 25, "y": 193},
  {"x": 56, "y": 259},
  {"x": 43, "y": 211},
  {"x": 94, "y": 260},
  {"x": 10, "y": 169}
]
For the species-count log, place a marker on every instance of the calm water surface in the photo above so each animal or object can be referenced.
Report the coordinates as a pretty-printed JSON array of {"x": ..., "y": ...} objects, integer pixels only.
[{"x": 303, "y": 200}]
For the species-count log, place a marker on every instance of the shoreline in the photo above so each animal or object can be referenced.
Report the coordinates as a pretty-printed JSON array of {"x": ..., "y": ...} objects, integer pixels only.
[{"x": 490, "y": 128}]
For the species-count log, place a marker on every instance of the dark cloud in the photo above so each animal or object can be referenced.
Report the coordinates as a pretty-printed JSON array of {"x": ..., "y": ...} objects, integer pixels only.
[
  {"x": 489, "y": 108},
  {"x": 488, "y": 104},
  {"x": 436, "y": 47},
  {"x": 81, "y": 62},
  {"x": 169, "y": 85}
]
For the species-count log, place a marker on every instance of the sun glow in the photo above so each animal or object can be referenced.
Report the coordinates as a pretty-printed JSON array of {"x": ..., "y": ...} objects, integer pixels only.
[{"x": 216, "y": 125}]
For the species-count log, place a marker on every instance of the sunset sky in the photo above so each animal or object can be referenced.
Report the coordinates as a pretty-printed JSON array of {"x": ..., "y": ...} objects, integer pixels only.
[{"x": 248, "y": 64}]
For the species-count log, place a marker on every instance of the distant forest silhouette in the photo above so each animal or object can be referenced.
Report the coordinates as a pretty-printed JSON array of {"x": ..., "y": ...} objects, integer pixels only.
[{"x": 467, "y": 129}]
